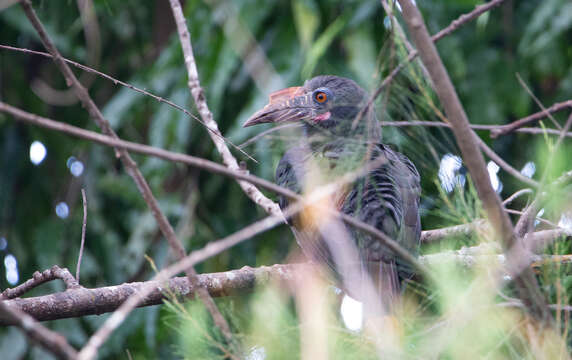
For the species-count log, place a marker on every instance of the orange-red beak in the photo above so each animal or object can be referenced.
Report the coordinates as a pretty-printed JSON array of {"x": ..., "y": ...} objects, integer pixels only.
[{"x": 290, "y": 104}]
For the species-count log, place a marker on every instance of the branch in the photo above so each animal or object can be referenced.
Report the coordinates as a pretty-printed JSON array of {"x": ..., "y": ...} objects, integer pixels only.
[
  {"x": 83, "y": 228},
  {"x": 464, "y": 230},
  {"x": 39, "y": 278},
  {"x": 50, "y": 340},
  {"x": 200, "y": 100},
  {"x": 84, "y": 301},
  {"x": 505, "y": 129},
  {"x": 466, "y": 140}
]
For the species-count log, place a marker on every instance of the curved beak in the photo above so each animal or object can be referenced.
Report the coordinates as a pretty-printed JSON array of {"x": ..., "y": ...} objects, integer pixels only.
[{"x": 286, "y": 105}]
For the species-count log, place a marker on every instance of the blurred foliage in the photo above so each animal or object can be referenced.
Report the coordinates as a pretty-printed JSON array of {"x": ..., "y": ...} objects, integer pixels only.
[{"x": 300, "y": 38}]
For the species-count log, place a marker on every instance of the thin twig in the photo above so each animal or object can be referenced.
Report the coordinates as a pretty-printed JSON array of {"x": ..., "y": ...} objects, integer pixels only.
[
  {"x": 466, "y": 140},
  {"x": 48, "y": 339},
  {"x": 83, "y": 228},
  {"x": 503, "y": 164},
  {"x": 517, "y": 124},
  {"x": 537, "y": 101},
  {"x": 39, "y": 278},
  {"x": 517, "y": 194},
  {"x": 269, "y": 131},
  {"x": 491, "y": 128},
  {"x": 126, "y": 159},
  {"x": 131, "y": 87}
]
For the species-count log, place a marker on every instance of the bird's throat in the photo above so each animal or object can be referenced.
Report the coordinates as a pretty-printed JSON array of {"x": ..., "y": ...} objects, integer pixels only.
[{"x": 322, "y": 117}]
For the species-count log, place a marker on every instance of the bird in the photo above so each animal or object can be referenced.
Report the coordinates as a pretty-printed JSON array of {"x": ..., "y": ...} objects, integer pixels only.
[{"x": 339, "y": 135}]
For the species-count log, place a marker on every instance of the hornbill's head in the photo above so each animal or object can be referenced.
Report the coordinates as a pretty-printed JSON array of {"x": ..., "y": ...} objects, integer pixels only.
[{"x": 324, "y": 104}]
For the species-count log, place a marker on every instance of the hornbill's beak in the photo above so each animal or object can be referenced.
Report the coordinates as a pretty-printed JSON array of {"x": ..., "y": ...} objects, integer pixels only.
[{"x": 290, "y": 104}]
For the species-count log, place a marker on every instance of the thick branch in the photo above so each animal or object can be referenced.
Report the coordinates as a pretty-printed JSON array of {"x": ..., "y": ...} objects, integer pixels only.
[
  {"x": 84, "y": 301},
  {"x": 466, "y": 139}
]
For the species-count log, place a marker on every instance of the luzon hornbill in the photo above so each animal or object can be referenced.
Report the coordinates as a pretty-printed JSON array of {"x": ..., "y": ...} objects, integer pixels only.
[{"x": 334, "y": 143}]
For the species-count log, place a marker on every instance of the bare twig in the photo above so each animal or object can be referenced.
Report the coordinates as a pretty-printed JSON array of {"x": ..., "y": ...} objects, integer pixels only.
[
  {"x": 48, "y": 339},
  {"x": 537, "y": 101},
  {"x": 126, "y": 159},
  {"x": 466, "y": 139},
  {"x": 467, "y": 230},
  {"x": 269, "y": 131},
  {"x": 517, "y": 194},
  {"x": 464, "y": 230},
  {"x": 83, "y": 228},
  {"x": 38, "y": 278},
  {"x": 195, "y": 87},
  {"x": 129, "y": 86},
  {"x": 491, "y": 128},
  {"x": 503, "y": 164},
  {"x": 505, "y": 129}
]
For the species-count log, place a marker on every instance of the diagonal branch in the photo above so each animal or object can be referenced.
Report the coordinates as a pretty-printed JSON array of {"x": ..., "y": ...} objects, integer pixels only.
[
  {"x": 200, "y": 100},
  {"x": 466, "y": 139},
  {"x": 48, "y": 339}
]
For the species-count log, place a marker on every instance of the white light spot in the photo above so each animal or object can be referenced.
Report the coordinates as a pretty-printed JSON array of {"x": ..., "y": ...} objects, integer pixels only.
[
  {"x": 565, "y": 221},
  {"x": 76, "y": 168},
  {"x": 352, "y": 313},
  {"x": 37, "y": 152},
  {"x": 11, "y": 265},
  {"x": 62, "y": 210},
  {"x": 540, "y": 213},
  {"x": 10, "y": 261},
  {"x": 493, "y": 170},
  {"x": 3, "y": 243},
  {"x": 12, "y": 276},
  {"x": 256, "y": 353},
  {"x": 529, "y": 169},
  {"x": 448, "y": 168}
]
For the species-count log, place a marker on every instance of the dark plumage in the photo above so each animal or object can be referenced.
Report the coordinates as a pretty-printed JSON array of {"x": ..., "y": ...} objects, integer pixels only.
[{"x": 386, "y": 198}]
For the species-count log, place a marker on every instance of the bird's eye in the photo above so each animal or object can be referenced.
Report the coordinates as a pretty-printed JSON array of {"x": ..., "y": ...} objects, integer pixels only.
[{"x": 321, "y": 97}]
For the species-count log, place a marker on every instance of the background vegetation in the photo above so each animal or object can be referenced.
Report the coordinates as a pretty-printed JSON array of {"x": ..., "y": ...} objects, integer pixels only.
[{"x": 136, "y": 42}]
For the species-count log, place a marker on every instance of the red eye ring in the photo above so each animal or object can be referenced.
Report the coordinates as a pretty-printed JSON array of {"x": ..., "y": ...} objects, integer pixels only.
[{"x": 321, "y": 97}]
